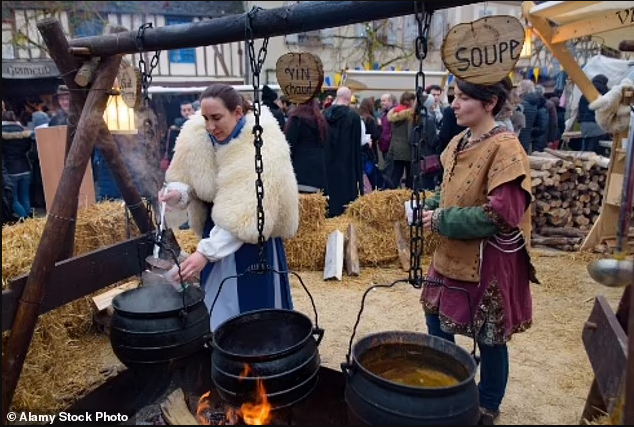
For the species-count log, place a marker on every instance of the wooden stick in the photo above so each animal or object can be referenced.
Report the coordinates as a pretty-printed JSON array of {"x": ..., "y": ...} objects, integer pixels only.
[
  {"x": 86, "y": 71},
  {"x": 55, "y": 229},
  {"x": 351, "y": 255},
  {"x": 175, "y": 410},
  {"x": 402, "y": 246}
]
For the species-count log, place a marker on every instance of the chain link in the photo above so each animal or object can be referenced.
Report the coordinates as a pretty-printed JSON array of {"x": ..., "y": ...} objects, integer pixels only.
[
  {"x": 416, "y": 234},
  {"x": 257, "y": 62},
  {"x": 146, "y": 75}
]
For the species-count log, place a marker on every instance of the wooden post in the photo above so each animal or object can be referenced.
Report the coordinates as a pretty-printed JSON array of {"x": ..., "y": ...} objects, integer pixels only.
[
  {"x": 628, "y": 411},
  {"x": 559, "y": 50},
  {"x": 60, "y": 51},
  {"x": 56, "y": 228},
  {"x": 53, "y": 35}
]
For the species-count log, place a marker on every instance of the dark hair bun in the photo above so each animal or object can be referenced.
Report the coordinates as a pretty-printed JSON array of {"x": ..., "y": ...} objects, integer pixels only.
[{"x": 507, "y": 83}]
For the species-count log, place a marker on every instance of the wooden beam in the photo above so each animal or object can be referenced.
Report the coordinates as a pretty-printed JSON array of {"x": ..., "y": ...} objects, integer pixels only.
[
  {"x": 606, "y": 345},
  {"x": 76, "y": 277},
  {"x": 54, "y": 38},
  {"x": 545, "y": 32},
  {"x": 595, "y": 405},
  {"x": 549, "y": 9},
  {"x": 600, "y": 23},
  {"x": 279, "y": 21},
  {"x": 55, "y": 229}
]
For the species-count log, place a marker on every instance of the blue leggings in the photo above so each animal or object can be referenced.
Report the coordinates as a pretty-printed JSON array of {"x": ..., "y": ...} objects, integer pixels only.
[{"x": 494, "y": 366}]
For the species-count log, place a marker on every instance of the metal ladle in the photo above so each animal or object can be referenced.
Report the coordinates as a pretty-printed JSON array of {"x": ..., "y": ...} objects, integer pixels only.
[{"x": 619, "y": 271}]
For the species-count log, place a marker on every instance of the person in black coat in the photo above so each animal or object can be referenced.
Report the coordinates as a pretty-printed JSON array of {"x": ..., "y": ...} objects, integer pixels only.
[
  {"x": 269, "y": 98},
  {"x": 591, "y": 132},
  {"x": 344, "y": 168},
  {"x": 306, "y": 131}
]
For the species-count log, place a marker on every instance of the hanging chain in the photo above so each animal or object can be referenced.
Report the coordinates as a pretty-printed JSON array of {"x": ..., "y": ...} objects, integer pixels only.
[
  {"x": 257, "y": 62},
  {"x": 146, "y": 75},
  {"x": 423, "y": 20}
]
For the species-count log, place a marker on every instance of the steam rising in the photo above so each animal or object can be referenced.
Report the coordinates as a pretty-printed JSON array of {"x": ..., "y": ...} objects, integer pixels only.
[
  {"x": 154, "y": 299},
  {"x": 142, "y": 155}
]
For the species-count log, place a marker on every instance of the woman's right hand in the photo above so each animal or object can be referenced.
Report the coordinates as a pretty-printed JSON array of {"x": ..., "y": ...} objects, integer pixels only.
[{"x": 171, "y": 197}]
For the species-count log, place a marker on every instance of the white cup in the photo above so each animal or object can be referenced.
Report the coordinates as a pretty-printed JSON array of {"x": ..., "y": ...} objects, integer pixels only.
[{"x": 173, "y": 279}]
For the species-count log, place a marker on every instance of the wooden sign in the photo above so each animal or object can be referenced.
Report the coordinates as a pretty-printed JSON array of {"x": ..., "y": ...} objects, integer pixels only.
[
  {"x": 51, "y": 146},
  {"x": 484, "y": 51},
  {"x": 300, "y": 76},
  {"x": 129, "y": 79}
]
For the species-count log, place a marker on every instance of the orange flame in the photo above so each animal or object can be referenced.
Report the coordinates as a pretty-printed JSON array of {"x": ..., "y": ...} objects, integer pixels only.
[
  {"x": 203, "y": 407},
  {"x": 257, "y": 413}
]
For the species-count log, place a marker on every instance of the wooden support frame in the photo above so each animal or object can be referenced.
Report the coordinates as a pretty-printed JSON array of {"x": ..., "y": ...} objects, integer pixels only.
[
  {"x": 554, "y": 37},
  {"x": 79, "y": 276}
]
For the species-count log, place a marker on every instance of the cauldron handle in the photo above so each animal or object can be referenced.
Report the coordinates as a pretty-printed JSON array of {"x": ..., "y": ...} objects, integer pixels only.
[
  {"x": 347, "y": 365},
  {"x": 264, "y": 268}
]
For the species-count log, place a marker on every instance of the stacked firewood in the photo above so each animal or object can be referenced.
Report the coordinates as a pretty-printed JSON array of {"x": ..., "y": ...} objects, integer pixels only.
[{"x": 568, "y": 189}]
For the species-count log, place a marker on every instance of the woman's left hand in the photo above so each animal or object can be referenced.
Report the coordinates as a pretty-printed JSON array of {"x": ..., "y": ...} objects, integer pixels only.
[
  {"x": 192, "y": 266},
  {"x": 427, "y": 218}
]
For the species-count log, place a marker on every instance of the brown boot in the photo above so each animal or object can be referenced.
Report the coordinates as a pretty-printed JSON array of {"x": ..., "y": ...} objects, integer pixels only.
[{"x": 488, "y": 417}]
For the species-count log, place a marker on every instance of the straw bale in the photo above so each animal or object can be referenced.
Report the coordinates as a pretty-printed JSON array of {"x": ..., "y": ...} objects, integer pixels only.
[
  {"x": 377, "y": 245},
  {"x": 381, "y": 208},
  {"x": 312, "y": 212},
  {"x": 373, "y": 215},
  {"x": 98, "y": 225},
  {"x": 187, "y": 239}
]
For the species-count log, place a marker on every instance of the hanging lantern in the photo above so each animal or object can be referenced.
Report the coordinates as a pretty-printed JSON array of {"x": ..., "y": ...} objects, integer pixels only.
[
  {"x": 118, "y": 116},
  {"x": 527, "y": 49}
]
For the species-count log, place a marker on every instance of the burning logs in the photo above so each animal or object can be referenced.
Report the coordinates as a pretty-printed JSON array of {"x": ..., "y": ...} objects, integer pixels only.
[{"x": 568, "y": 192}]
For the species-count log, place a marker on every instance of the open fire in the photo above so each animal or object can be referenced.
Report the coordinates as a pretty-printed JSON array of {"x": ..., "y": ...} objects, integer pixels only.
[{"x": 256, "y": 413}]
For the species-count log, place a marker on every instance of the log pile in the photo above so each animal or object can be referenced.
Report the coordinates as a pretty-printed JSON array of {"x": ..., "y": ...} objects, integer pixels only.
[{"x": 568, "y": 189}]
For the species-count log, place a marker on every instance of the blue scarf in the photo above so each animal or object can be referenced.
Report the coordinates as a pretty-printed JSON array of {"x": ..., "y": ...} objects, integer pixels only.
[{"x": 234, "y": 134}]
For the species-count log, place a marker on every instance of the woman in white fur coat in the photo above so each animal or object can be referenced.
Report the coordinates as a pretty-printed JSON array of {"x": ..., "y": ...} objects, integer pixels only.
[{"x": 213, "y": 175}]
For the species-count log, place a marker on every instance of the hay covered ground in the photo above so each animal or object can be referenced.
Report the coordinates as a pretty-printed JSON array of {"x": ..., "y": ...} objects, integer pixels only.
[{"x": 550, "y": 372}]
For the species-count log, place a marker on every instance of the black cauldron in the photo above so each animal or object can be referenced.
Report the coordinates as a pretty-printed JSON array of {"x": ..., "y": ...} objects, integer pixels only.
[
  {"x": 276, "y": 347},
  {"x": 375, "y": 400},
  {"x": 157, "y": 325}
]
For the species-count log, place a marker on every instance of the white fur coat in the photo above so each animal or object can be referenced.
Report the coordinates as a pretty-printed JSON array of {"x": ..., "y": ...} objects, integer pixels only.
[
  {"x": 225, "y": 176},
  {"x": 610, "y": 113}
]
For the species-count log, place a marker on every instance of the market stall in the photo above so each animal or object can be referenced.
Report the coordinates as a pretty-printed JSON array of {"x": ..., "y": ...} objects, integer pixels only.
[{"x": 557, "y": 22}]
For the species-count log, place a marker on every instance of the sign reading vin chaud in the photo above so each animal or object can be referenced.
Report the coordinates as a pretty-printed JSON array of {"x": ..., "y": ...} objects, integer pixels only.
[
  {"x": 484, "y": 51},
  {"x": 300, "y": 76}
]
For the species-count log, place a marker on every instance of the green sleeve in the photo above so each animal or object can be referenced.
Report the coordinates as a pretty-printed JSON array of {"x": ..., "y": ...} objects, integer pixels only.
[
  {"x": 433, "y": 202},
  {"x": 464, "y": 223}
]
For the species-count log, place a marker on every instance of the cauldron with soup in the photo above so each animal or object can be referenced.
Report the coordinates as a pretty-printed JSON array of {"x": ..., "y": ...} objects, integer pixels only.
[{"x": 409, "y": 378}]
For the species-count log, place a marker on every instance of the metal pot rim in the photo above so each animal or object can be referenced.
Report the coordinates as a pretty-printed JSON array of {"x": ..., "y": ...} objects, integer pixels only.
[
  {"x": 403, "y": 337},
  {"x": 141, "y": 315},
  {"x": 266, "y": 356}
]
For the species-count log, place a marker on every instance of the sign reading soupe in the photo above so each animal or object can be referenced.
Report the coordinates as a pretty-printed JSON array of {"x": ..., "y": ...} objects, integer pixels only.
[
  {"x": 484, "y": 51},
  {"x": 300, "y": 76}
]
